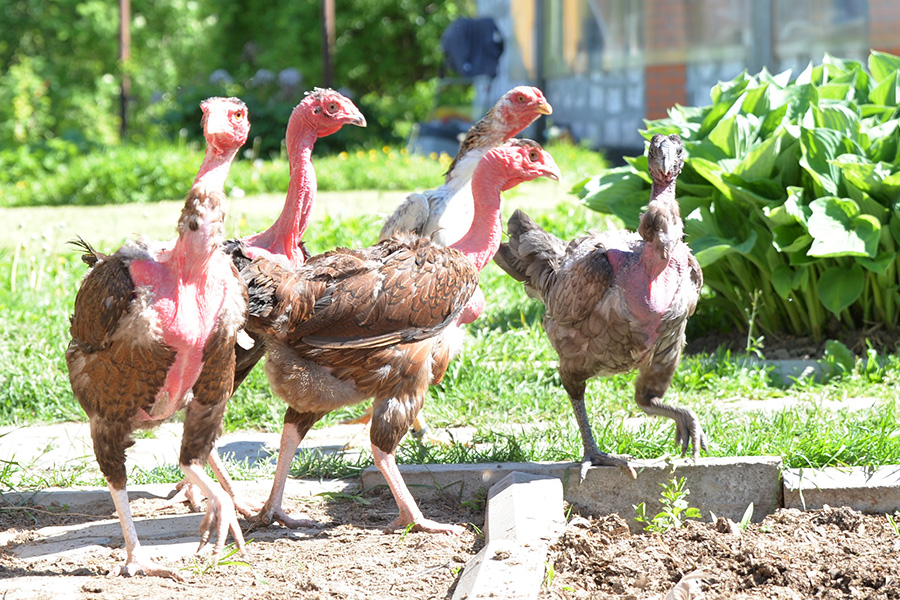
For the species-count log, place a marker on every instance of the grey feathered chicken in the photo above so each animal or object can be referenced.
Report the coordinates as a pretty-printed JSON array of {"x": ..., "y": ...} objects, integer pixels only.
[{"x": 617, "y": 301}]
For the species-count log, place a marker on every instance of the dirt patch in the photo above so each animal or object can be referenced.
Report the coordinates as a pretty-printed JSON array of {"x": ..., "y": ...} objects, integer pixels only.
[
  {"x": 348, "y": 556},
  {"x": 828, "y": 553}
]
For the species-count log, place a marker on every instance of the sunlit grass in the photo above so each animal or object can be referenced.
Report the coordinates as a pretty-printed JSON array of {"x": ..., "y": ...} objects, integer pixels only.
[{"x": 504, "y": 385}]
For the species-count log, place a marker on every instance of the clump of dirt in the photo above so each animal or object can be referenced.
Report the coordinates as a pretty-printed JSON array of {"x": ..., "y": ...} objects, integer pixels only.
[
  {"x": 348, "y": 556},
  {"x": 829, "y": 553}
]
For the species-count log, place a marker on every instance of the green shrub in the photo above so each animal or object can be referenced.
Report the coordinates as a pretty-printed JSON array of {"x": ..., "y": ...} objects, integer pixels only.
[{"x": 791, "y": 188}]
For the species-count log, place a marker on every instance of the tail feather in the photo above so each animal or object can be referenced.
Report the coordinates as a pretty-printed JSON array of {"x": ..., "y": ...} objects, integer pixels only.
[
  {"x": 532, "y": 255},
  {"x": 91, "y": 256}
]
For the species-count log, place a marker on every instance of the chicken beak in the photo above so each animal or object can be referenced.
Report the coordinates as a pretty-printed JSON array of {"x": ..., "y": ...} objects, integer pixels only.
[
  {"x": 216, "y": 123},
  {"x": 544, "y": 108},
  {"x": 552, "y": 171},
  {"x": 356, "y": 118}
]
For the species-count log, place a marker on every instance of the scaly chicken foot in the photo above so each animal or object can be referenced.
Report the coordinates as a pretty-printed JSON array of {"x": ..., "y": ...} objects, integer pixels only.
[
  {"x": 193, "y": 496},
  {"x": 409, "y": 510},
  {"x": 220, "y": 517},
  {"x": 136, "y": 563},
  {"x": 688, "y": 430},
  {"x": 271, "y": 510},
  {"x": 593, "y": 456}
]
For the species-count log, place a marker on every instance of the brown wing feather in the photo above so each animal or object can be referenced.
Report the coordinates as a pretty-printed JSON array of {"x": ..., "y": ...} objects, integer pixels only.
[
  {"x": 103, "y": 298},
  {"x": 407, "y": 292}
]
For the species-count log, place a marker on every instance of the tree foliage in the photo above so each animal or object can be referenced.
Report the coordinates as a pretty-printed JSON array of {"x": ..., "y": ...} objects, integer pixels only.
[{"x": 60, "y": 71}]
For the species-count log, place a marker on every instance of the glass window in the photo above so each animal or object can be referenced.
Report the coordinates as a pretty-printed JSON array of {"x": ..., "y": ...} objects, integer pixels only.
[
  {"x": 803, "y": 30},
  {"x": 583, "y": 36}
]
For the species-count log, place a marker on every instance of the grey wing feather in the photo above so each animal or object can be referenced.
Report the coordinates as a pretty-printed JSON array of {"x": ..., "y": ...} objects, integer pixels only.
[
  {"x": 410, "y": 216},
  {"x": 532, "y": 255}
]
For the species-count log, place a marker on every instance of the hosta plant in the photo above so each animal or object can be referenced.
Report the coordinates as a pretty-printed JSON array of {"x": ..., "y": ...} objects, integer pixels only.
[{"x": 790, "y": 190}]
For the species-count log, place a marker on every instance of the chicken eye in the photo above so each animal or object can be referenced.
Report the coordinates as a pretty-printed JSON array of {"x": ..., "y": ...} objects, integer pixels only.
[
  {"x": 239, "y": 115},
  {"x": 533, "y": 155},
  {"x": 332, "y": 107},
  {"x": 521, "y": 98}
]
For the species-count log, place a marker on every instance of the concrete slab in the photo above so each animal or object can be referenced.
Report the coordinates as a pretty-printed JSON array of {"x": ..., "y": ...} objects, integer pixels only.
[
  {"x": 724, "y": 486},
  {"x": 860, "y": 488},
  {"x": 524, "y": 516},
  {"x": 169, "y": 536}
]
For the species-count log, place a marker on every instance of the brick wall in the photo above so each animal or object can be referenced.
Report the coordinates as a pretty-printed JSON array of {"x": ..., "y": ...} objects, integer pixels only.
[
  {"x": 884, "y": 24},
  {"x": 665, "y": 37},
  {"x": 664, "y": 86}
]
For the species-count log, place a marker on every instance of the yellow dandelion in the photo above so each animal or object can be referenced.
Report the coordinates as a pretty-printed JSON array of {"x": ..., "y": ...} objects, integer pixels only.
[
  {"x": 343, "y": 155},
  {"x": 386, "y": 149},
  {"x": 404, "y": 151},
  {"x": 22, "y": 184},
  {"x": 433, "y": 156},
  {"x": 360, "y": 154}
]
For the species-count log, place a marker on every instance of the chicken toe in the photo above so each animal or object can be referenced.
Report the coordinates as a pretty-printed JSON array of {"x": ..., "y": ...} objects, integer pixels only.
[
  {"x": 596, "y": 458},
  {"x": 138, "y": 565},
  {"x": 220, "y": 517}
]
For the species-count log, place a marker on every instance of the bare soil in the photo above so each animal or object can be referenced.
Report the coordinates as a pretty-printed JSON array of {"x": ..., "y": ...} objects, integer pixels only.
[
  {"x": 829, "y": 553},
  {"x": 349, "y": 556}
]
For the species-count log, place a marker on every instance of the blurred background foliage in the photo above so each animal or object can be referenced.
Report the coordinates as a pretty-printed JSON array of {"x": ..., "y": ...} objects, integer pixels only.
[{"x": 60, "y": 73}]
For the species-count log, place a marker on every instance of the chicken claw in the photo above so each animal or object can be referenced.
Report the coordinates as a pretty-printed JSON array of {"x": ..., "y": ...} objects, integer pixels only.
[{"x": 596, "y": 458}]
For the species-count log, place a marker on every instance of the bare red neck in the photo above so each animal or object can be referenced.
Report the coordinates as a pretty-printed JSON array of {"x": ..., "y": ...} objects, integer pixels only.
[
  {"x": 482, "y": 240},
  {"x": 286, "y": 232},
  {"x": 201, "y": 225},
  {"x": 214, "y": 170}
]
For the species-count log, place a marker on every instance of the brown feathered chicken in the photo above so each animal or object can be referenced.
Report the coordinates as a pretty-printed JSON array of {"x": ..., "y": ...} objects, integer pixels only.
[
  {"x": 153, "y": 331},
  {"x": 322, "y": 112},
  {"x": 617, "y": 301},
  {"x": 357, "y": 324},
  {"x": 445, "y": 213}
]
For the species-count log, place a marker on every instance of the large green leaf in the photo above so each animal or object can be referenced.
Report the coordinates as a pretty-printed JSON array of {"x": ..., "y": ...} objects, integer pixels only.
[
  {"x": 759, "y": 192},
  {"x": 839, "y": 229},
  {"x": 790, "y": 238},
  {"x": 883, "y": 141},
  {"x": 759, "y": 161},
  {"x": 840, "y": 117},
  {"x": 710, "y": 248},
  {"x": 620, "y": 192},
  {"x": 782, "y": 276},
  {"x": 839, "y": 287},
  {"x": 873, "y": 178},
  {"x": 879, "y": 264},
  {"x": 819, "y": 147},
  {"x": 887, "y": 91},
  {"x": 785, "y": 279},
  {"x": 883, "y": 65},
  {"x": 735, "y": 135}
]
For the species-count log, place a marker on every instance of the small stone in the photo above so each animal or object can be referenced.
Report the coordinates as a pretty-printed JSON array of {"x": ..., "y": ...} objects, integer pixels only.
[{"x": 725, "y": 525}]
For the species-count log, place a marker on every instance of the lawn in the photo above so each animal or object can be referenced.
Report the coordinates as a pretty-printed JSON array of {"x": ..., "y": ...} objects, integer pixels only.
[{"x": 504, "y": 383}]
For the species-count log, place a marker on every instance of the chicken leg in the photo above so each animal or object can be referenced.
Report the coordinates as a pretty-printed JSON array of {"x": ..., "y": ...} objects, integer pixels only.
[
  {"x": 652, "y": 382},
  {"x": 296, "y": 426},
  {"x": 592, "y": 455}
]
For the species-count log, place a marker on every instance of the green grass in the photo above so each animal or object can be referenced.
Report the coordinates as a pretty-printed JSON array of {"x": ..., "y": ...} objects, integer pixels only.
[{"x": 504, "y": 384}]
